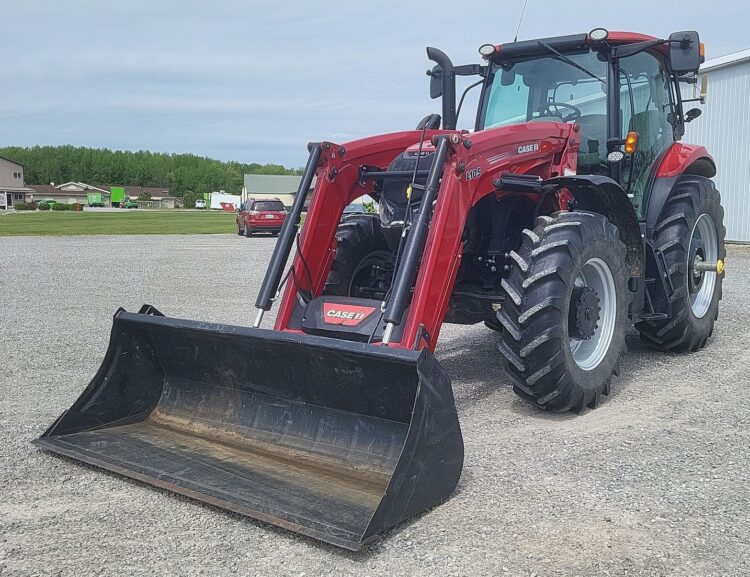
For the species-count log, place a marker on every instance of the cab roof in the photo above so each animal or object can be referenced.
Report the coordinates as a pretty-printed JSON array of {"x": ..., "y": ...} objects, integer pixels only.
[{"x": 570, "y": 42}]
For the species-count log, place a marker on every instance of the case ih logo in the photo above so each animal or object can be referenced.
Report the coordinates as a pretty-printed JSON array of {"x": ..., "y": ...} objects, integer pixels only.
[
  {"x": 524, "y": 148},
  {"x": 347, "y": 315}
]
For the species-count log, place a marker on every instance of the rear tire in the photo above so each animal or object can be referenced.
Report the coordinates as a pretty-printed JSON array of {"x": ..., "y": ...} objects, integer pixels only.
[
  {"x": 692, "y": 211},
  {"x": 566, "y": 311},
  {"x": 359, "y": 243}
]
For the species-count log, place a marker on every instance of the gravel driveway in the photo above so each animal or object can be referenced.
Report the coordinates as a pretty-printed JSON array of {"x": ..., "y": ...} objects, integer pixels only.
[{"x": 656, "y": 481}]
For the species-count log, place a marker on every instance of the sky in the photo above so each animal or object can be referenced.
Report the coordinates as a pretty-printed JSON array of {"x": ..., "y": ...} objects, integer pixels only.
[{"x": 255, "y": 81}]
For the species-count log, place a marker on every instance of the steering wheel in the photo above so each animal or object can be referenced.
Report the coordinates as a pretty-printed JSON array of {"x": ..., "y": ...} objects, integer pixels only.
[{"x": 552, "y": 109}]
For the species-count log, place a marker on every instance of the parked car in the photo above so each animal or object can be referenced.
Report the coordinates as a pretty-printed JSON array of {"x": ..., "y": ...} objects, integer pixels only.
[
  {"x": 130, "y": 204},
  {"x": 200, "y": 203},
  {"x": 260, "y": 216}
]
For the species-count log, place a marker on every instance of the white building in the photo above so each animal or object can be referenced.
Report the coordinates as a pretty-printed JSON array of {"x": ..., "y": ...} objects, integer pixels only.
[{"x": 724, "y": 129}]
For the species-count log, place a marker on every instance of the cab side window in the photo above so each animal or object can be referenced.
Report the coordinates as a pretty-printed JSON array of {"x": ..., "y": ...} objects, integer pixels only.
[{"x": 647, "y": 107}]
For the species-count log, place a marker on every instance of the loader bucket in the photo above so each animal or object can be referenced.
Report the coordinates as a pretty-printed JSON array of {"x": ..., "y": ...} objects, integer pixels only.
[{"x": 332, "y": 439}]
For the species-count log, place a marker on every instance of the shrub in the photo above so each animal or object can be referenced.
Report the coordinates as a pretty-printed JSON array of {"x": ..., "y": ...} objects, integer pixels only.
[
  {"x": 61, "y": 206},
  {"x": 22, "y": 206},
  {"x": 76, "y": 207},
  {"x": 44, "y": 207},
  {"x": 189, "y": 198},
  {"x": 32, "y": 206}
]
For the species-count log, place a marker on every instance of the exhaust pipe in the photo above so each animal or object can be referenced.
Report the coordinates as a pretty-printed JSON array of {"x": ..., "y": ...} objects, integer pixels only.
[{"x": 448, "y": 78}]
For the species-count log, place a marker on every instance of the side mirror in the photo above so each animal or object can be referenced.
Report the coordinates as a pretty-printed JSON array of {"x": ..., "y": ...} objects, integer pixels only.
[
  {"x": 436, "y": 82},
  {"x": 684, "y": 52},
  {"x": 692, "y": 114}
]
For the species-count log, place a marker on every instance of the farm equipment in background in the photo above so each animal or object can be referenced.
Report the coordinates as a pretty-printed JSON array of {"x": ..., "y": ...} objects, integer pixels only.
[
  {"x": 94, "y": 199},
  {"x": 571, "y": 211},
  {"x": 117, "y": 196}
]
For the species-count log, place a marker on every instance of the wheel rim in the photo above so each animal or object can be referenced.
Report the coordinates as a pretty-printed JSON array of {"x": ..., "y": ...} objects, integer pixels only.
[
  {"x": 596, "y": 275},
  {"x": 703, "y": 246}
]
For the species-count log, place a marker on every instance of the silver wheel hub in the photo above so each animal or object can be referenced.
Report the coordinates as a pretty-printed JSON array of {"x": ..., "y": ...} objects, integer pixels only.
[
  {"x": 704, "y": 247},
  {"x": 594, "y": 280}
]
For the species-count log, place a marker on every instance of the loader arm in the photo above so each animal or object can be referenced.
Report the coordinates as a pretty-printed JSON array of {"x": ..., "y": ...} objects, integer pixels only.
[
  {"x": 471, "y": 166},
  {"x": 338, "y": 183}
]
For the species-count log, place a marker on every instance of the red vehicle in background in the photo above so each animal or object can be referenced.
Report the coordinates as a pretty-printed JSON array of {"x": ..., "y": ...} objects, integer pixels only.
[{"x": 260, "y": 216}]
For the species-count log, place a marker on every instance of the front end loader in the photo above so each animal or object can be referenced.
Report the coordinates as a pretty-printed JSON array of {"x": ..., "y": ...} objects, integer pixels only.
[{"x": 570, "y": 211}]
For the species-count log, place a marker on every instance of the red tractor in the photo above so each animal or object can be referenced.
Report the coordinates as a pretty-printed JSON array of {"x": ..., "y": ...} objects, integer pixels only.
[{"x": 570, "y": 211}]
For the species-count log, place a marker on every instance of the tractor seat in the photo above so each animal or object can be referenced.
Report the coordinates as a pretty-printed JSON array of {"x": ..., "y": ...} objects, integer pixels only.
[
  {"x": 593, "y": 149},
  {"x": 648, "y": 126}
]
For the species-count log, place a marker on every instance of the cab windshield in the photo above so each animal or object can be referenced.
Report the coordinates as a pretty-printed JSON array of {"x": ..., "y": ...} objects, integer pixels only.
[{"x": 547, "y": 88}]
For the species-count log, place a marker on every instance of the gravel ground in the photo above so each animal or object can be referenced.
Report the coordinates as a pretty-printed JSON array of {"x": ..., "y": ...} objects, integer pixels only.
[{"x": 656, "y": 481}]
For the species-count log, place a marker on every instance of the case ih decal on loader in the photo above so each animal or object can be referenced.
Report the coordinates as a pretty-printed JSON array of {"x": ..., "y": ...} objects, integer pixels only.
[
  {"x": 571, "y": 211},
  {"x": 347, "y": 315}
]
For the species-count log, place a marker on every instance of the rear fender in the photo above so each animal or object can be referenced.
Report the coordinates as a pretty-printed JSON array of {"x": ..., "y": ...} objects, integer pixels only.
[
  {"x": 603, "y": 195},
  {"x": 679, "y": 159}
]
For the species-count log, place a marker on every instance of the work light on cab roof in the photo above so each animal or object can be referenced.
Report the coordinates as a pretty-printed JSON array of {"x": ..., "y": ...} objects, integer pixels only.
[
  {"x": 598, "y": 34},
  {"x": 487, "y": 50}
]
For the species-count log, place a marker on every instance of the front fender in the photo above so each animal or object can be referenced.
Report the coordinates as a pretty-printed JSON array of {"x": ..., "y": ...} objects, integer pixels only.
[{"x": 603, "y": 195}]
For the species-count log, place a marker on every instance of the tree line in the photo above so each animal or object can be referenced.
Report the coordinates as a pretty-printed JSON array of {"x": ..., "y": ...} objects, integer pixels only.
[{"x": 184, "y": 174}]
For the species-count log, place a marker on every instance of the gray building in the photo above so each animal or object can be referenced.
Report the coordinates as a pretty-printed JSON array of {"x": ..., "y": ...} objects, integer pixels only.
[
  {"x": 724, "y": 129},
  {"x": 283, "y": 187},
  {"x": 268, "y": 186},
  {"x": 12, "y": 186}
]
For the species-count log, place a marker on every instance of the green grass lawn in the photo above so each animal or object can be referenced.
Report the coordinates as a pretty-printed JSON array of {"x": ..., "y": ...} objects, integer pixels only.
[{"x": 126, "y": 222}]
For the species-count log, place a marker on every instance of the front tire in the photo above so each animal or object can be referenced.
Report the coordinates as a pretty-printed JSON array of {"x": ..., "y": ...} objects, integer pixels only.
[
  {"x": 690, "y": 227},
  {"x": 566, "y": 311}
]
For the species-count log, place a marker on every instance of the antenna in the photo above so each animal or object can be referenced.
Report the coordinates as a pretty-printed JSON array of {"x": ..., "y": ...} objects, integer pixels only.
[{"x": 523, "y": 11}]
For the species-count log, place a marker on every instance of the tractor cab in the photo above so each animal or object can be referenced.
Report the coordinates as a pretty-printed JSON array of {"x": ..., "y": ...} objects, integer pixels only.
[{"x": 621, "y": 90}]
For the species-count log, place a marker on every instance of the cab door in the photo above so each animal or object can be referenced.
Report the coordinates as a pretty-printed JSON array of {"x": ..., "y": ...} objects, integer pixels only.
[{"x": 647, "y": 108}]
